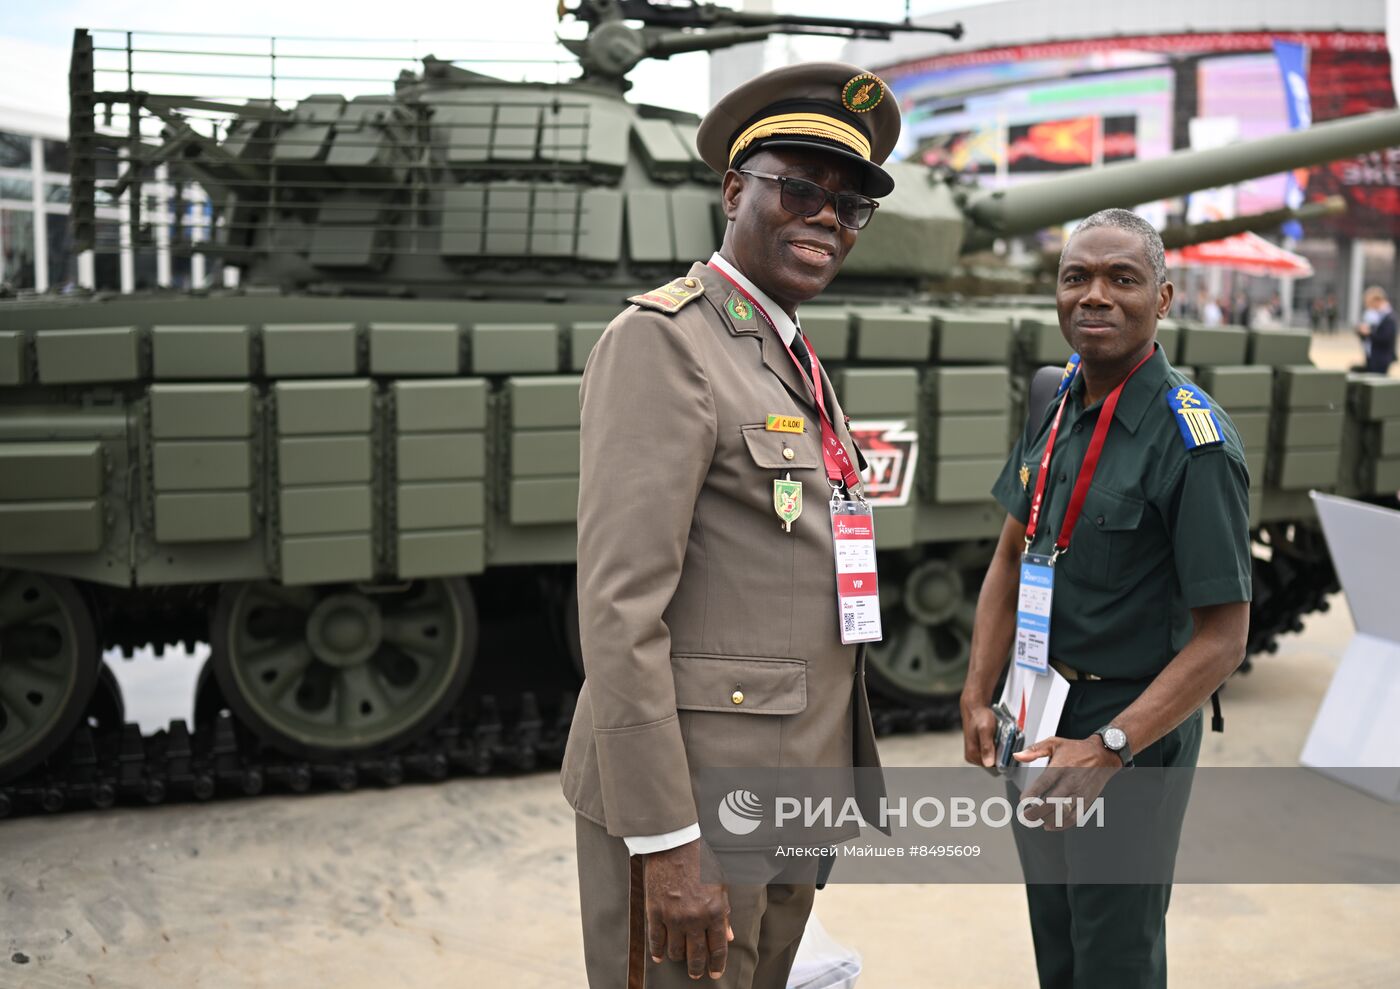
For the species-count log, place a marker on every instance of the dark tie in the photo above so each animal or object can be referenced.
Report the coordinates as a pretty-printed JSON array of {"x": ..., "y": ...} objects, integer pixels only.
[{"x": 803, "y": 355}]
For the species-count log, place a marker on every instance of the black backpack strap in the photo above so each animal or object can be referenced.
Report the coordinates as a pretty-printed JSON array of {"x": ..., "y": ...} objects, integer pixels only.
[
  {"x": 1217, "y": 720},
  {"x": 1044, "y": 383}
]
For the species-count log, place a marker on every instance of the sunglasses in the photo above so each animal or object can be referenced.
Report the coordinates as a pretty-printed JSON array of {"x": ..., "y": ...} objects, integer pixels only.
[{"x": 808, "y": 199}]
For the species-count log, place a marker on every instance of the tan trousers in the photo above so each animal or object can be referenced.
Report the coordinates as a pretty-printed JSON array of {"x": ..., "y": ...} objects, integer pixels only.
[{"x": 768, "y": 922}]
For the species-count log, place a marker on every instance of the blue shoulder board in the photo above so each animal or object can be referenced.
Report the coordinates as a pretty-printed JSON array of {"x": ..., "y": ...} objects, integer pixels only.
[
  {"x": 1194, "y": 417},
  {"x": 1070, "y": 368}
]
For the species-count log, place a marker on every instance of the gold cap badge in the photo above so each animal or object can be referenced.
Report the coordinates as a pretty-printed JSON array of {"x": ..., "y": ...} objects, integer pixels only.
[{"x": 863, "y": 93}]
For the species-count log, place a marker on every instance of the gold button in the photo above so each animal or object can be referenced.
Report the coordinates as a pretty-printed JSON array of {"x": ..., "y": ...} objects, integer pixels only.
[
  {"x": 737, "y": 697},
  {"x": 788, "y": 454},
  {"x": 690, "y": 283}
]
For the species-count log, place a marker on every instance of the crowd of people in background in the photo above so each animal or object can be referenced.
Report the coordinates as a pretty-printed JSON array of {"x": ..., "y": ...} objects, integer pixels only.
[
  {"x": 1234, "y": 310},
  {"x": 1376, "y": 331},
  {"x": 1322, "y": 313}
]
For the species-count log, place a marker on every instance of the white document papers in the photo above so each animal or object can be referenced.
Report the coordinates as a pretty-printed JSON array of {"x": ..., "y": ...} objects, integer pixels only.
[{"x": 1036, "y": 700}]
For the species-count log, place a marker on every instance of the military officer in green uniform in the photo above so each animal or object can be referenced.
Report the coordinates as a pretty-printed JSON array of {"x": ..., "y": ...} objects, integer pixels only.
[{"x": 1151, "y": 579}]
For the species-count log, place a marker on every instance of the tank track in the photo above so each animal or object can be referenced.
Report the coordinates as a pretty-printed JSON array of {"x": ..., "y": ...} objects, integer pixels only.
[
  {"x": 1295, "y": 580},
  {"x": 123, "y": 767}
]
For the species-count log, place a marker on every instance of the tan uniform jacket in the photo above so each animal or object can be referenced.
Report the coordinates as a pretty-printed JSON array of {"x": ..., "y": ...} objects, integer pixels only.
[{"x": 689, "y": 589}]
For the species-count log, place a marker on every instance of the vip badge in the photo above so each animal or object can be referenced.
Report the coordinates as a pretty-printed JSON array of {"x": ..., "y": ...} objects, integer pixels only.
[{"x": 787, "y": 501}]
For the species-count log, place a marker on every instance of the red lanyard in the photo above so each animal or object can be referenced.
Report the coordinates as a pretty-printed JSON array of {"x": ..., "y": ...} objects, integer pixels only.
[
  {"x": 1086, "y": 469},
  {"x": 839, "y": 468}
]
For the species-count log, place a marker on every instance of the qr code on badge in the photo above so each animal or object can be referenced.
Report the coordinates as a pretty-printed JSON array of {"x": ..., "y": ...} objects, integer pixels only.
[{"x": 848, "y": 622}]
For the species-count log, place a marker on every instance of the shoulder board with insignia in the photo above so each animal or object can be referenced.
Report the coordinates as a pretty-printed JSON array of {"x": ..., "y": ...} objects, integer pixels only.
[
  {"x": 1194, "y": 417},
  {"x": 670, "y": 297},
  {"x": 1071, "y": 368}
]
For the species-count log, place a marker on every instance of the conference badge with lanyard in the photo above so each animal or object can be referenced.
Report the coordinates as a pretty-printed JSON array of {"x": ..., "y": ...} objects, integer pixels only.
[
  {"x": 852, "y": 519},
  {"x": 1037, "y": 575}
]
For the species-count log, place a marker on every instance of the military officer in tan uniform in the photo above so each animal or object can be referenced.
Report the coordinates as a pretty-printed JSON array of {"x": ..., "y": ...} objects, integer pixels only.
[{"x": 707, "y": 608}]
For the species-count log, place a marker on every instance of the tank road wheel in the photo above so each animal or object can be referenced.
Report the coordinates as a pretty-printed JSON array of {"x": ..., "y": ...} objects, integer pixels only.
[
  {"x": 48, "y": 666},
  {"x": 923, "y": 658},
  {"x": 320, "y": 672}
]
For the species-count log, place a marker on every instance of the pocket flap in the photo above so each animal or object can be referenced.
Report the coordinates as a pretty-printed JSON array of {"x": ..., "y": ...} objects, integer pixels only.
[
  {"x": 1110, "y": 511},
  {"x": 740, "y": 684},
  {"x": 767, "y": 448}
]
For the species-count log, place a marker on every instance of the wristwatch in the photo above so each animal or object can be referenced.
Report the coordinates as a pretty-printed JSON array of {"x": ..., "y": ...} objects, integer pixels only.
[{"x": 1115, "y": 739}]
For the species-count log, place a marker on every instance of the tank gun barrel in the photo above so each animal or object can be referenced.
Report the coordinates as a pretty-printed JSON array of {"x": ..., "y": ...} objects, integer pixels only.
[
  {"x": 1184, "y": 235},
  {"x": 1030, "y": 207},
  {"x": 1200, "y": 233},
  {"x": 683, "y": 42}
]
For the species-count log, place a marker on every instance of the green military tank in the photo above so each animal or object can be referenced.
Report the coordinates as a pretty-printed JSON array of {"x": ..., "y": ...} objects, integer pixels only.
[{"x": 355, "y": 475}]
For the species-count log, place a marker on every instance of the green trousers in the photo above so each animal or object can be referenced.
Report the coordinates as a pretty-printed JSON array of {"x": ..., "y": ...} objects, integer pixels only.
[{"x": 1088, "y": 935}]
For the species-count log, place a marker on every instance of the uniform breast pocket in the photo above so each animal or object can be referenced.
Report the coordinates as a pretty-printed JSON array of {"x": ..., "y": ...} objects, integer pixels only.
[
  {"x": 772, "y": 450},
  {"x": 731, "y": 706},
  {"x": 1113, "y": 544}
]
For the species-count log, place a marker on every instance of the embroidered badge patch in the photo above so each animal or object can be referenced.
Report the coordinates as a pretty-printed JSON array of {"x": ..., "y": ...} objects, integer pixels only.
[
  {"x": 863, "y": 93},
  {"x": 1025, "y": 475},
  {"x": 739, "y": 308},
  {"x": 1194, "y": 418}
]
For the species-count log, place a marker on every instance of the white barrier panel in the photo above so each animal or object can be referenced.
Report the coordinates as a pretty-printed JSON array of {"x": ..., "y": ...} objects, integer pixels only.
[{"x": 1356, "y": 726}]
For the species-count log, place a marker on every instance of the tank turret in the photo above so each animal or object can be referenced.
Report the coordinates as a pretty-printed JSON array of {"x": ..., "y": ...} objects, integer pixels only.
[
  {"x": 461, "y": 183},
  {"x": 456, "y": 181}
]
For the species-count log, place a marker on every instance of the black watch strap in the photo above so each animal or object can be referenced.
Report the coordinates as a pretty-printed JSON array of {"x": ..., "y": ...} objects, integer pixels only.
[{"x": 1125, "y": 753}]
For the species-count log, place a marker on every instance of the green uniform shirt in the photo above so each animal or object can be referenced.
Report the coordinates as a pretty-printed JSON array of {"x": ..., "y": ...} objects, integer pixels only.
[{"x": 1165, "y": 528}]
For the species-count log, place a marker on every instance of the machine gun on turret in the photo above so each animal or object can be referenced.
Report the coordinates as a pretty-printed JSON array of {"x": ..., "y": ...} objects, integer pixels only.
[{"x": 612, "y": 48}]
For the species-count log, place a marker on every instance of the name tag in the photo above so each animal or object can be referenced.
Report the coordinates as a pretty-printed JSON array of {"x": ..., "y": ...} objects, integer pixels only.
[
  {"x": 1033, "y": 612},
  {"x": 784, "y": 424},
  {"x": 857, "y": 588}
]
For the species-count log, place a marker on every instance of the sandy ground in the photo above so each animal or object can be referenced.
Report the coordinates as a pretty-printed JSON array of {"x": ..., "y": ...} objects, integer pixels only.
[{"x": 472, "y": 883}]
